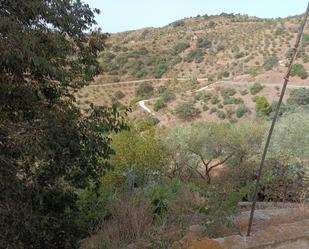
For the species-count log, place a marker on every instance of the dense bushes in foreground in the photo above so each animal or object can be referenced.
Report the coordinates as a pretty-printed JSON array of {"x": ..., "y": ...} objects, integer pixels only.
[{"x": 180, "y": 175}]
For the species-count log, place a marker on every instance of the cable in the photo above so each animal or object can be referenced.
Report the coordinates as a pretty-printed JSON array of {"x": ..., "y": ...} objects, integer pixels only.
[{"x": 286, "y": 80}]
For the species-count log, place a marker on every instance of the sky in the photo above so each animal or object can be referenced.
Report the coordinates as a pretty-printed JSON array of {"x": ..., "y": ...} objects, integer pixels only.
[{"x": 123, "y": 15}]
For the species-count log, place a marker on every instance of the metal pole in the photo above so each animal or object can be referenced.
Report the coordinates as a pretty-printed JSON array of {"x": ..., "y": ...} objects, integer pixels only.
[{"x": 286, "y": 80}]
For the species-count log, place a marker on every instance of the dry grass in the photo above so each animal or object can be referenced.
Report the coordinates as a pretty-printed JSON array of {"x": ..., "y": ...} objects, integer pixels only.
[{"x": 132, "y": 216}]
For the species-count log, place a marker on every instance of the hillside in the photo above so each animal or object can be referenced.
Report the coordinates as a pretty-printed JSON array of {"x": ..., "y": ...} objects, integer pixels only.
[
  {"x": 228, "y": 52},
  {"x": 204, "y": 47}
]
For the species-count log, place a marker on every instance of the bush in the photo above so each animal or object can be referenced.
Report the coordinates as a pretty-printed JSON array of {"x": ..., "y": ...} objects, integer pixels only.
[
  {"x": 299, "y": 70},
  {"x": 145, "y": 89},
  {"x": 179, "y": 23},
  {"x": 221, "y": 114},
  {"x": 203, "y": 42},
  {"x": 159, "y": 104},
  {"x": 225, "y": 74},
  {"x": 227, "y": 92},
  {"x": 256, "y": 88},
  {"x": 186, "y": 111},
  {"x": 160, "y": 68},
  {"x": 244, "y": 92},
  {"x": 180, "y": 47},
  {"x": 119, "y": 95},
  {"x": 168, "y": 96},
  {"x": 205, "y": 108},
  {"x": 262, "y": 106},
  {"x": 270, "y": 63},
  {"x": 213, "y": 110},
  {"x": 241, "y": 111},
  {"x": 215, "y": 99},
  {"x": 299, "y": 96},
  {"x": 196, "y": 55}
]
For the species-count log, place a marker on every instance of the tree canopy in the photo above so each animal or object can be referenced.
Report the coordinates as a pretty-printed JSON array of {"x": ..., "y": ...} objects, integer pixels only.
[{"x": 47, "y": 148}]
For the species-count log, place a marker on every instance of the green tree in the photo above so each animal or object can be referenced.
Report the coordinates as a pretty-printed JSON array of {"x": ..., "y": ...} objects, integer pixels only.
[
  {"x": 145, "y": 89},
  {"x": 299, "y": 70},
  {"x": 47, "y": 148},
  {"x": 262, "y": 106},
  {"x": 139, "y": 156},
  {"x": 186, "y": 111}
]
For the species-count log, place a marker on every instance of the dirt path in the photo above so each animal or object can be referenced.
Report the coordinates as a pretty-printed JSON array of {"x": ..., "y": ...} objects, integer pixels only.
[{"x": 291, "y": 85}]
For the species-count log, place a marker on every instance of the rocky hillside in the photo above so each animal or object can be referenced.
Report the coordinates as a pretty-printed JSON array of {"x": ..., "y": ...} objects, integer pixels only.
[{"x": 212, "y": 47}]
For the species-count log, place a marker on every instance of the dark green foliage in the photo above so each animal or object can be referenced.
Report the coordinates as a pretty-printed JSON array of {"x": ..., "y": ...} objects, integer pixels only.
[
  {"x": 205, "y": 108},
  {"x": 203, "y": 42},
  {"x": 262, "y": 106},
  {"x": 239, "y": 55},
  {"x": 160, "y": 68},
  {"x": 221, "y": 114},
  {"x": 48, "y": 149},
  {"x": 119, "y": 94},
  {"x": 227, "y": 92},
  {"x": 167, "y": 96},
  {"x": 241, "y": 111},
  {"x": 215, "y": 99},
  {"x": 186, "y": 111},
  {"x": 299, "y": 70},
  {"x": 159, "y": 104},
  {"x": 180, "y": 47},
  {"x": 121, "y": 60},
  {"x": 270, "y": 63},
  {"x": 196, "y": 55},
  {"x": 225, "y": 74},
  {"x": 256, "y": 88},
  {"x": 179, "y": 23},
  {"x": 212, "y": 110},
  {"x": 145, "y": 89}
]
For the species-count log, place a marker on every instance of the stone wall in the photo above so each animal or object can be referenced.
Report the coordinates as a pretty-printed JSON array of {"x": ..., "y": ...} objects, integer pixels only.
[{"x": 286, "y": 236}]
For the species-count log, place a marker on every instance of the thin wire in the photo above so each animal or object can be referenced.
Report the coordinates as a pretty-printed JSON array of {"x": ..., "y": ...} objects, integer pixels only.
[{"x": 286, "y": 80}]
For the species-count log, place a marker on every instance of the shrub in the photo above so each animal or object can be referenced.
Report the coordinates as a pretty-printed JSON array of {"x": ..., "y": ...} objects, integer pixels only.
[
  {"x": 179, "y": 23},
  {"x": 299, "y": 96},
  {"x": 203, "y": 42},
  {"x": 213, "y": 110},
  {"x": 196, "y": 55},
  {"x": 270, "y": 63},
  {"x": 215, "y": 100},
  {"x": 180, "y": 47},
  {"x": 145, "y": 89},
  {"x": 262, "y": 106},
  {"x": 160, "y": 69},
  {"x": 225, "y": 74},
  {"x": 244, "y": 92},
  {"x": 121, "y": 59},
  {"x": 256, "y": 88},
  {"x": 221, "y": 114},
  {"x": 119, "y": 94},
  {"x": 159, "y": 104},
  {"x": 227, "y": 92},
  {"x": 207, "y": 97},
  {"x": 139, "y": 74},
  {"x": 299, "y": 70},
  {"x": 167, "y": 96},
  {"x": 241, "y": 111},
  {"x": 186, "y": 111},
  {"x": 205, "y": 108}
]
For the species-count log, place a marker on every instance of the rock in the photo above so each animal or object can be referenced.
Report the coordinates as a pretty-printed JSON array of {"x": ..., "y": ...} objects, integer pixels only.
[{"x": 195, "y": 232}]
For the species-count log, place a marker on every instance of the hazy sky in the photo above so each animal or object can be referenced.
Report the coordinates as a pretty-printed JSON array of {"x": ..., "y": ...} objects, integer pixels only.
[{"x": 122, "y": 15}]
